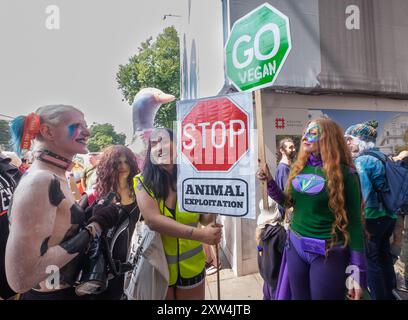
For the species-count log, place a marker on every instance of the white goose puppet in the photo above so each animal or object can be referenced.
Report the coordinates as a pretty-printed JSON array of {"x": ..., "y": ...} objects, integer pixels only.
[{"x": 144, "y": 108}]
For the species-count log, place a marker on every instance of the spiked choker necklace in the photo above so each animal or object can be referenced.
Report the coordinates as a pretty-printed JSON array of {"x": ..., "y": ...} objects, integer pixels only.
[{"x": 56, "y": 160}]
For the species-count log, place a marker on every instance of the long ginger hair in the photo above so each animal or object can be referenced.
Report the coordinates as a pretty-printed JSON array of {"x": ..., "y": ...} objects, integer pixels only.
[{"x": 334, "y": 153}]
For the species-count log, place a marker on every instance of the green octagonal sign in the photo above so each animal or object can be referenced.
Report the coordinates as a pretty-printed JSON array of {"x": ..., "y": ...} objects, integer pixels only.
[{"x": 257, "y": 48}]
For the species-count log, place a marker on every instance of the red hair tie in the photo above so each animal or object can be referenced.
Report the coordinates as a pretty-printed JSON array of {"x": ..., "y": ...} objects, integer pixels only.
[{"x": 31, "y": 129}]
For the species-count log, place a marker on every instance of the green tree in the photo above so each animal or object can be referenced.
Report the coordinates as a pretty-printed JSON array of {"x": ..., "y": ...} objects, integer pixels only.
[
  {"x": 102, "y": 135},
  {"x": 5, "y": 135},
  {"x": 157, "y": 64}
]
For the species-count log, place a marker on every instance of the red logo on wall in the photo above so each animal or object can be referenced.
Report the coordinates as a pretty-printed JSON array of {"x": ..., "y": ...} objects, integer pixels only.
[{"x": 280, "y": 123}]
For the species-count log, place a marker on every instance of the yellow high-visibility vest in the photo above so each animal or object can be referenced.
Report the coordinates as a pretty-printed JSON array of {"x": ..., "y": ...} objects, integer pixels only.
[{"x": 185, "y": 257}]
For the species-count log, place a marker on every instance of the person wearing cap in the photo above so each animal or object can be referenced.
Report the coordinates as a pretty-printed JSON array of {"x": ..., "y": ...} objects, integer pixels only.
[
  {"x": 271, "y": 238},
  {"x": 380, "y": 222}
]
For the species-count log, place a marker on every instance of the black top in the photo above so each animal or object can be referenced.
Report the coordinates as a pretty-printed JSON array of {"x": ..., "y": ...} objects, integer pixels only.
[
  {"x": 134, "y": 214},
  {"x": 273, "y": 243},
  {"x": 9, "y": 175},
  {"x": 120, "y": 252}
]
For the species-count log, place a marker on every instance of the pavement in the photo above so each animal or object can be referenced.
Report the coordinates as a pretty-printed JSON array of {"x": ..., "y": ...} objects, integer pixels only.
[{"x": 249, "y": 287}]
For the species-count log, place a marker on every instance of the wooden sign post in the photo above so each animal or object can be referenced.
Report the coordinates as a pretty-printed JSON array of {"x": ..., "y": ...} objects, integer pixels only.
[
  {"x": 217, "y": 261},
  {"x": 261, "y": 144}
]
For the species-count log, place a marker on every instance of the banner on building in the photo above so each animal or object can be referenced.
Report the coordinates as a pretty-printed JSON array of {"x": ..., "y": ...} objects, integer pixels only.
[
  {"x": 392, "y": 127},
  {"x": 392, "y": 130}
]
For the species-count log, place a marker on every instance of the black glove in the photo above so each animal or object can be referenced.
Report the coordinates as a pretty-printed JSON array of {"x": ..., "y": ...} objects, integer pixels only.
[{"x": 107, "y": 216}]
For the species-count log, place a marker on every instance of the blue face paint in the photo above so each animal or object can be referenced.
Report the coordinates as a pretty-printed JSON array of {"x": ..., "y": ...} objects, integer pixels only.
[
  {"x": 73, "y": 131},
  {"x": 315, "y": 136}
]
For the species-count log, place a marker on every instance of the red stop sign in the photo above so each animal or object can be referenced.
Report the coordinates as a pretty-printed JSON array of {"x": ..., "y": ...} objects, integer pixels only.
[{"x": 214, "y": 134}]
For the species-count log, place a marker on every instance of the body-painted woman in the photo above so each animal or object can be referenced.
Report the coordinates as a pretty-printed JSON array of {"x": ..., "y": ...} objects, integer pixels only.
[{"x": 49, "y": 232}]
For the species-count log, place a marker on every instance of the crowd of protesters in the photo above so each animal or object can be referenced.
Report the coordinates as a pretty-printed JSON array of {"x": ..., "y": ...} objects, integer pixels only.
[
  {"x": 64, "y": 232},
  {"x": 55, "y": 212}
]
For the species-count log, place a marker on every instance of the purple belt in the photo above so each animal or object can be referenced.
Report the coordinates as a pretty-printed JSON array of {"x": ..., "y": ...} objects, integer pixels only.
[{"x": 309, "y": 248}]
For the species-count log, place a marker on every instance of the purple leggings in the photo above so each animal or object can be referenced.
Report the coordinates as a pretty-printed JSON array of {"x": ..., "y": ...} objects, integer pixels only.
[
  {"x": 268, "y": 291},
  {"x": 313, "y": 276}
]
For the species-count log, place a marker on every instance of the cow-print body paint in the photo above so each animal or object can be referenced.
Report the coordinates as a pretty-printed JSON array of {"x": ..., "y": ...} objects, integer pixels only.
[
  {"x": 55, "y": 193},
  {"x": 44, "y": 246},
  {"x": 74, "y": 240}
]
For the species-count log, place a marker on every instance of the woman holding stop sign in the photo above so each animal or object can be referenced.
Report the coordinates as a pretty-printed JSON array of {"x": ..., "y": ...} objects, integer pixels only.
[
  {"x": 324, "y": 254},
  {"x": 156, "y": 193}
]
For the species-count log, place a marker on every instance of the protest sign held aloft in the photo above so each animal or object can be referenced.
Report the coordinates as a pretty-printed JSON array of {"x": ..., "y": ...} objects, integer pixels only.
[{"x": 215, "y": 172}]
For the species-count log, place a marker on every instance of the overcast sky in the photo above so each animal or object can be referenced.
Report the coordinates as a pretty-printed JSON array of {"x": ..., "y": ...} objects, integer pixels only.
[{"x": 76, "y": 64}]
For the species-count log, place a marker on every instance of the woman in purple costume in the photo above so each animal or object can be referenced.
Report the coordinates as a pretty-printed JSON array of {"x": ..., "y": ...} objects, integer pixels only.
[{"x": 324, "y": 254}]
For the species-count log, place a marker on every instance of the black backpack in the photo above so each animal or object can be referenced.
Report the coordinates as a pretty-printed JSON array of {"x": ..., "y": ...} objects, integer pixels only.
[{"x": 394, "y": 195}]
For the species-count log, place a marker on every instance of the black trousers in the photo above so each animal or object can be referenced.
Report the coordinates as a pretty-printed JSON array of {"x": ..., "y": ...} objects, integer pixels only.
[
  {"x": 380, "y": 267},
  {"x": 63, "y": 294}
]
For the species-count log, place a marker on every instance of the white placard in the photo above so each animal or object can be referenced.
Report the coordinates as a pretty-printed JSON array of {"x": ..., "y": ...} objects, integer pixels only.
[{"x": 217, "y": 162}]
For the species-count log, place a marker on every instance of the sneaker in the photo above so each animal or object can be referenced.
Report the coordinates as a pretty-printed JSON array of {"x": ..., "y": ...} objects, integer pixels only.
[
  {"x": 211, "y": 270},
  {"x": 404, "y": 286}
]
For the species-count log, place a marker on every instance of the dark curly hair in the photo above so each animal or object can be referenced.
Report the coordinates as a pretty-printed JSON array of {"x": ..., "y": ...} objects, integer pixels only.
[{"x": 107, "y": 170}]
